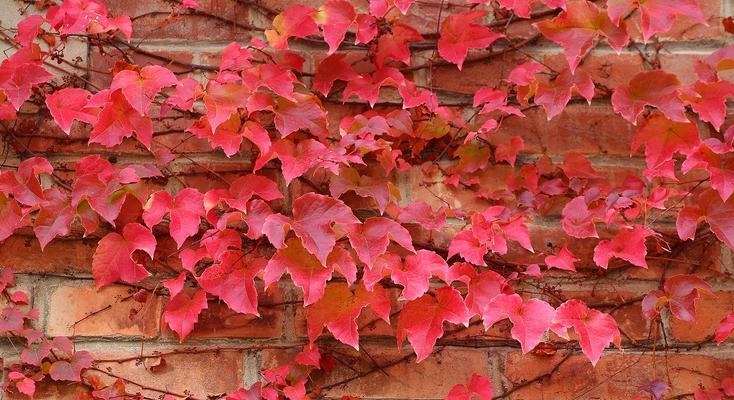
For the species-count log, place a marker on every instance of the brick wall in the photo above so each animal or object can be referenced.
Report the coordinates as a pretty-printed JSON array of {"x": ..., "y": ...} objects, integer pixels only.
[{"x": 227, "y": 350}]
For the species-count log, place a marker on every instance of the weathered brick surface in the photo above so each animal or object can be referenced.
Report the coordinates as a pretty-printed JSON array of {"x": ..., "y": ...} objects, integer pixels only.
[
  {"x": 100, "y": 320},
  {"x": 100, "y": 312},
  {"x": 218, "y": 321},
  {"x": 199, "y": 374},
  {"x": 52, "y": 391},
  {"x": 23, "y": 253},
  {"x": 711, "y": 308},
  {"x": 616, "y": 376},
  {"x": 155, "y": 20},
  {"x": 430, "y": 379}
]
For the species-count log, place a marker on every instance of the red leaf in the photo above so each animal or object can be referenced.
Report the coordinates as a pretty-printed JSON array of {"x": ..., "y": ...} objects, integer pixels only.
[
  {"x": 277, "y": 78},
  {"x": 28, "y": 29},
  {"x": 370, "y": 240},
  {"x": 394, "y": 45},
  {"x": 468, "y": 247},
  {"x": 306, "y": 271},
  {"x": 335, "y": 17},
  {"x": 524, "y": 74},
  {"x": 297, "y": 21},
  {"x": 363, "y": 185},
  {"x": 422, "y": 214},
  {"x": 709, "y": 207},
  {"x": 595, "y": 329},
  {"x": 496, "y": 225},
  {"x": 63, "y": 370},
  {"x": 483, "y": 288},
  {"x": 140, "y": 88},
  {"x": 663, "y": 137},
  {"x": 422, "y": 320},
  {"x": 222, "y": 100},
  {"x": 724, "y": 330},
  {"x": 53, "y": 220},
  {"x": 11, "y": 217},
  {"x": 181, "y": 312},
  {"x": 727, "y": 384},
  {"x": 235, "y": 58},
  {"x": 708, "y": 100},
  {"x": 628, "y": 244},
  {"x": 459, "y": 33},
  {"x": 24, "y": 385},
  {"x": 330, "y": 69},
  {"x": 184, "y": 96},
  {"x": 508, "y": 151},
  {"x": 113, "y": 259},
  {"x": 17, "y": 79},
  {"x": 241, "y": 191},
  {"x": 232, "y": 280},
  {"x": 654, "y": 88},
  {"x": 309, "y": 356},
  {"x": 313, "y": 216},
  {"x": 69, "y": 104},
  {"x": 554, "y": 96},
  {"x": 175, "y": 286},
  {"x": 522, "y": 8},
  {"x": 339, "y": 308},
  {"x": 24, "y": 184},
  {"x": 366, "y": 28},
  {"x": 478, "y": 384},
  {"x": 305, "y": 113},
  {"x": 530, "y": 319},
  {"x": 657, "y": 15},
  {"x": 578, "y": 26},
  {"x": 186, "y": 210},
  {"x": 367, "y": 87},
  {"x": 414, "y": 274},
  {"x": 576, "y": 165},
  {"x": 564, "y": 260},
  {"x": 118, "y": 120},
  {"x": 680, "y": 293},
  {"x": 707, "y": 394},
  {"x": 492, "y": 99},
  {"x": 683, "y": 291},
  {"x": 296, "y": 159}
]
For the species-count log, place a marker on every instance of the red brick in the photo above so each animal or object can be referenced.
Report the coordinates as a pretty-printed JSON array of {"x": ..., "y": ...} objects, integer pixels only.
[
  {"x": 686, "y": 28},
  {"x": 616, "y": 376},
  {"x": 629, "y": 317},
  {"x": 155, "y": 20},
  {"x": 219, "y": 321},
  {"x": 429, "y": 379},
  {"x": 432, "y": 190},
  {"x": 605, "y": 67},
  {"x": 23, "y": 254},
  {"x": 682, "y": 65},
  {"x": 700, "y": 257},
  {"x": 370, "y": 325},
  {"x": 110, "y": 305},
  {"x": 199, "y": 375},
  {"x": 103, "y": 63},
  {"x": 169, "y": 132},
  {"x": 711, "y": 308},
  {"x": 50, "y": 390},
  {"x": 476, "y": 75},
  {"x": 594, "y": 129}
]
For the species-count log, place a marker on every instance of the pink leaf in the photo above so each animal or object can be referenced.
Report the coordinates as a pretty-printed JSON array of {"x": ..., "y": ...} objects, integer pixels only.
[
  {"x": 595, "y": 329},
  {"x": 530, "y": 319},
  {"x": 422, "y": 320},
  {"x": 113, "y": 260}
]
